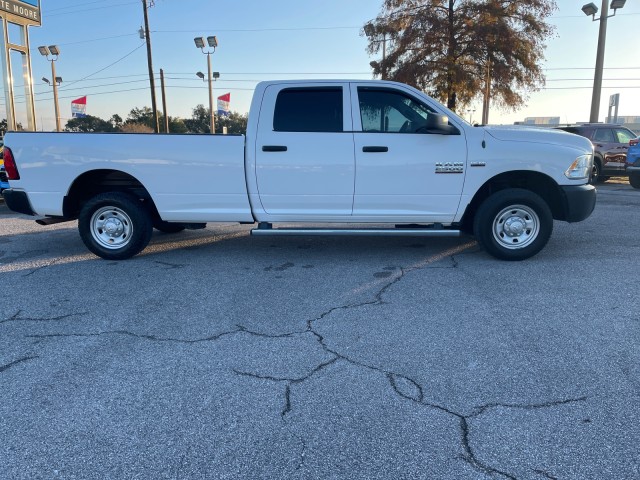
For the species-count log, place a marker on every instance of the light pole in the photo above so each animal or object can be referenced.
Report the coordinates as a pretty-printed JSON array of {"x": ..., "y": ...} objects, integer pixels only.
[
  {"x": 471, "y": 112},
  {"x": 213, "y": 44},
  {"x": 54, "y": 52},
  {"x": 590, "y": 9}
]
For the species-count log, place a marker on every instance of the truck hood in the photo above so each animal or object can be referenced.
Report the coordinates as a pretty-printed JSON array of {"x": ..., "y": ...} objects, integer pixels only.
[{"x": 538, "y": 135}]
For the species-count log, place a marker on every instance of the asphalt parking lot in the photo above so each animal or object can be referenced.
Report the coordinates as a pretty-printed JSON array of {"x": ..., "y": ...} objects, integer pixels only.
[{"x": 223, "y": 356}]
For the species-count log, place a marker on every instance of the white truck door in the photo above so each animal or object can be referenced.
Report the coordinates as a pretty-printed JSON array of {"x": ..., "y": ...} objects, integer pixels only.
[
  {"x": 401, "y": 171},
  {"x": 304, "y": 150}
]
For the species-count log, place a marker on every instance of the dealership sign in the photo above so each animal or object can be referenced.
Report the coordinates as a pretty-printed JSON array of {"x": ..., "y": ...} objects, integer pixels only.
[{"x": 27, "y": 9}]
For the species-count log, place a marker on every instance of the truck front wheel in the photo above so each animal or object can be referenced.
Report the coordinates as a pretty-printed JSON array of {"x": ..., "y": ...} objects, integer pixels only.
[
  {"x": 115, "y": 225},
  {"x": 634, "y": 180},
  {"x": 513, "y": 224}
]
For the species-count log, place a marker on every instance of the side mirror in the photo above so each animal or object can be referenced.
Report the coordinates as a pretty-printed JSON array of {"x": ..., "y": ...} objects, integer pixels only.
[{"x": 438, "y": 125}]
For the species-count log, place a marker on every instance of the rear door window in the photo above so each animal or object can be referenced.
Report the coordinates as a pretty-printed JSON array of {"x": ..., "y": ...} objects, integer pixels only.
[
  {"x": 604, "y": 135},
  {"x": 309, "y": 110}
]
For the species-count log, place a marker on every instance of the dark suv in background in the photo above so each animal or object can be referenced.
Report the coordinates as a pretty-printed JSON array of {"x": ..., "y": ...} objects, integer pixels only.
[{"x": 610, "y": 143}]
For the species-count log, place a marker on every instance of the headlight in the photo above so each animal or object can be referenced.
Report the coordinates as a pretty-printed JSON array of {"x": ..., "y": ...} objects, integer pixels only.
[{"x": 581, "y": 168}]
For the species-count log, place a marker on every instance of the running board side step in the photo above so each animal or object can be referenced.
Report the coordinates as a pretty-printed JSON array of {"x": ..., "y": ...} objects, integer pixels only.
[{"x": 361, "y": 232}]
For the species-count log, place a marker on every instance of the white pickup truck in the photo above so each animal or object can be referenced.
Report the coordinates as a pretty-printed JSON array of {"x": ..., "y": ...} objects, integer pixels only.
[{"x": 373, "y": 157}]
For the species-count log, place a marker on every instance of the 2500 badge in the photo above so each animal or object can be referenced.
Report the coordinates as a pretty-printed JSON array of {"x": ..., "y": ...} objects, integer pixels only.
[{"x": 450, "y": 167}]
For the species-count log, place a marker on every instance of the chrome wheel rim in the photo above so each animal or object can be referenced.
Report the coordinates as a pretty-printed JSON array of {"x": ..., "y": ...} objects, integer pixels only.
[
  {"x": 516, "y": 227},
  {"x": 111, "y": 227}
]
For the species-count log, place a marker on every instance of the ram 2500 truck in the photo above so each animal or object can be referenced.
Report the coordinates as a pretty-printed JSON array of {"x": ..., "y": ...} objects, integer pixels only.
[{"x": 378, "y": 158}]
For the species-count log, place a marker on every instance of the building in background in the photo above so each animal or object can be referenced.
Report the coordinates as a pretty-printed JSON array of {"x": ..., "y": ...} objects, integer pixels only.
[
  {"x": 540, "y": 121},
  {"x": 631, "y": 122}
]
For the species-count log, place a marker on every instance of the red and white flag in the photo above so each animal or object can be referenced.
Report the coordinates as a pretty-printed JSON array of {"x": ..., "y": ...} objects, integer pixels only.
[
  {"x": 223, "y": 105},
  {"x": 79, "y": 107}
]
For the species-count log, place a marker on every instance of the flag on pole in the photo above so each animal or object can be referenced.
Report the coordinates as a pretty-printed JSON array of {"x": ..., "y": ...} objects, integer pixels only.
[
  {"x": 79, "y": 107},
  {"x": 223, "y": 105}
]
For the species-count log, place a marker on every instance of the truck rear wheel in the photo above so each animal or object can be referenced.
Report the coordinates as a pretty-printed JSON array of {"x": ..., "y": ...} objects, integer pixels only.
[
  {"x": 115, "y": 225},
  {"x": 513, "y": 224},
  {"x": 634, "y": 180}
]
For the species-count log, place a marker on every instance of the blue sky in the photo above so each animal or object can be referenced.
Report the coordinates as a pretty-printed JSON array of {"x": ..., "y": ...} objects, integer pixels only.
[{"x": 103, "y": 57}]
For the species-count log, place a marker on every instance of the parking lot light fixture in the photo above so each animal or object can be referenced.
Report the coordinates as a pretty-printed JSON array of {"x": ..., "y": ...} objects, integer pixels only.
[
  {"x": 590, "y": 9},
  {"x": 212, "y": 41},
  {"x": 616, "y": 4},
  {"x": 52, "y": 52}
]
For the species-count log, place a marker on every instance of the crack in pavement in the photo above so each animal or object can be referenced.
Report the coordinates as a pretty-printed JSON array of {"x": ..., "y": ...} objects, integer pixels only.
[
  {"x": 4, "y": 368},
  {"x": 16, "y": 317},
  {"x": 403, "y": 386},
  {"x": 140, "y": 336},
  {"x": 289, "y": 382},
  {"x": 154, "y": 338},
  {"x": 545, "y": 474}
]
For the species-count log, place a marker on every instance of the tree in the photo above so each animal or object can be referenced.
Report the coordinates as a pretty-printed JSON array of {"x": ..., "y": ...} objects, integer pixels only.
[
  {"x": 235, "y": 123},
  {"x": 142, "y": 116},
  {"x": 116, "y": 121},
  {"x": 449, "y": 48},
  {"x": 199, "y": 122},
  {"x": 176, "y": 125},
  {"x": 133, "y": 127},
  {"x": 4, "y": 128},
  {"x": 88, "y": 124}
]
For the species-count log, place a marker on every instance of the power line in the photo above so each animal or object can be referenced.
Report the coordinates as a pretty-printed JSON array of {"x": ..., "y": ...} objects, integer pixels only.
[
  {"x": 55, "y": 9},
  {"x": 95, "y": 40},
  {"x": 222, "y": 83},
  {"x": 108, "y": 66},
  {"x": 91, "y": 9}
]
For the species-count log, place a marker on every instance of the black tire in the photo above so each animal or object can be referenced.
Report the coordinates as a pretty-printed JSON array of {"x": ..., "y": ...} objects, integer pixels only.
[
  {"x": 513, "y": 224},
  {"x": 596, "y": 173},
  {"x": 167, "y": 227},
  {"x": 115, "y": 225},
  {"x": 634, "y": 180}
]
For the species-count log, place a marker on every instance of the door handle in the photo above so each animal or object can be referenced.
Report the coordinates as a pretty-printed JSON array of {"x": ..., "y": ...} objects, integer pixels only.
[
  {"x": 274, "y": 148},
  {"x": 375, "y": 149}
]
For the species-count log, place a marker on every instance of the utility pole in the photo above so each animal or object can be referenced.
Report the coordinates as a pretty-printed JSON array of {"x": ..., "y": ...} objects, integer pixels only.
[
  {"x": 152, "y": 81},
  {"x": 164, "y": 102},
  {"x": 487, "y": 96},
  {"x": 384, "y": 55}
]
